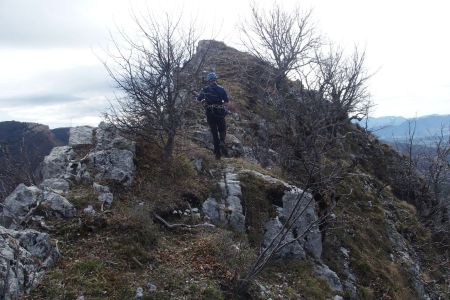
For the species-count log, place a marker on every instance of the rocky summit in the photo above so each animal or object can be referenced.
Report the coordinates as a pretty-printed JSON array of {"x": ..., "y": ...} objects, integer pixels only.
[{"x": 110, "y": 219}]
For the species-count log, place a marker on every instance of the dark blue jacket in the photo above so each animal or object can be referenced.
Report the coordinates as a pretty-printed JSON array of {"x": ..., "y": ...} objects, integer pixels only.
[{"x": 213, "y": 94}]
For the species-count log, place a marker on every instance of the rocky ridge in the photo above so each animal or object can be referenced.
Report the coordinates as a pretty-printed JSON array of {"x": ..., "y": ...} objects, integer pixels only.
[
  {"x": 27, "y": 253},
  {"x": 372, "y": 246}
]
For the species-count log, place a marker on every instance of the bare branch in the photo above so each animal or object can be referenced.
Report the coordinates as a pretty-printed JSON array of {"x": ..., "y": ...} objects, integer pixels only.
[{"x": 172, "y": 226}]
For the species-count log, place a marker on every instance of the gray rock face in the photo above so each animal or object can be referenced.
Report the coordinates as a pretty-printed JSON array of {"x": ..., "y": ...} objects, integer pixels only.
[
  {"x": 108, "y": 137},
  {"x": 349, "y": 279},
  {"x": 18, "y": 205},
  {"x": 227, "y": 211},
  {"x": 304, "y": 237},
  {"x": 405, "y": 254},
  {"x": 112, "y": 157},
  {"x": 212, "y": 209},
  {"x": 81, "y": 135},
  {"x": 302, "y": 207},
  {"x": 203, "y": 137},
  {"x": 139, "y": 293},
  {"x": 234, "y": 146},
  {"x": 55, "y": 164},
  {"x": 104, "y": 195},
  {"x": 98, "y": 188},
  {"x": 329, "y": 276},
  {"x": 61, "y": 164},
  {"x": 272, "y": 238},
  {"x": 59, "y": 204},
  {"x": 305, "y": 229},
  {"x": 24, "y": 256},
  {"x": 19, "y": 202},
  {"x": 89, "y": 210},
  {"x": 57, "y": 185},
  {"x": 198, "y": 165},
  {"x": 113, "y": 164}
]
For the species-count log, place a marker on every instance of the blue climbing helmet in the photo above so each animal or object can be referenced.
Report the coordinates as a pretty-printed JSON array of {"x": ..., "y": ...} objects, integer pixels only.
[{"x": 211, "y": 76}]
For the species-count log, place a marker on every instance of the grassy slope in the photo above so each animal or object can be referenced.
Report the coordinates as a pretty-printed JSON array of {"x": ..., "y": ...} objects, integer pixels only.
[{"x": 360, "y": 226}]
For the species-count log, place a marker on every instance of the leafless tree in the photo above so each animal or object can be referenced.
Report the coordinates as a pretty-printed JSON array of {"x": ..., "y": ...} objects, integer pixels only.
[
  {"x": 342, "y": 81},
  {"x": 315, "y": 91},
  {"x": 154, "y": 74},
  {"x": 19, "y": 158},
  {"x": 286, "y": 40},
  {"x": 409, "y": 148},
  {"x": 435, "y": 164},
  {"x": 427, "y": 164}
]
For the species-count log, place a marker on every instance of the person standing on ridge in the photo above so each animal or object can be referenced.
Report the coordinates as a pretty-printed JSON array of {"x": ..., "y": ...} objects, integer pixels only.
[{"x": 214, "y": 98}]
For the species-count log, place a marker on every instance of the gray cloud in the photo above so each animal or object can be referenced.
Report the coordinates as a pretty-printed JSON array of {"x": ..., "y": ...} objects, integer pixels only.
[
  {"x": 25, "y": 23},
  {"x": 37, "y": 100},
  {"x": 56, "y": 113},
  {"x": 83, "y": 79},
  {"x": 62, "y": 86}
]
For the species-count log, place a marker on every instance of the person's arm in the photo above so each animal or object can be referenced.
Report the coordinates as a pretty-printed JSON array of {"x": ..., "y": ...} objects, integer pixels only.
[
  {"x": 224, "y": 96},
  {"x": 201, "y": 95}
]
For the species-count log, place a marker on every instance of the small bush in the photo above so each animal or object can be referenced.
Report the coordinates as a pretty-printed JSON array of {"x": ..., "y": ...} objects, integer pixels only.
[{"x": 212, "y": 293}]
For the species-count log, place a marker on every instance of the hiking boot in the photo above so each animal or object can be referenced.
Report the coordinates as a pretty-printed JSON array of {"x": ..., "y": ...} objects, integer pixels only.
[{"x": 223, "y": 148}]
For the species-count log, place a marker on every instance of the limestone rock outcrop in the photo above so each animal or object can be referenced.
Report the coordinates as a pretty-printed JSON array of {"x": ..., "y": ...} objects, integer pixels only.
[
  {"x": 81, "y": 135},
  {"x": 104, "y": 194},
  {"x": 25, "y": 253},
  {"x": 24, "y": 256},
  {"x": 57, "y": 185},
  {"x": 324, "y": 272},
  {"x": 111, "y": 158},
  {"x": 272, "y": 237},
  {"x": 227, "y": 210},
  {"x": 299, "y": 206},
  {"x": 107, "y": 138},
  {"x": 113, "y": 164},
  {"x": 23, "y": 200},
  {"x": 56, "y": 163}
]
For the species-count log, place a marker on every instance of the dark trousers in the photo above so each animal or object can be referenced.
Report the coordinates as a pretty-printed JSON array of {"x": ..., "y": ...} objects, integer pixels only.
[{"x": 218, "y": 129}]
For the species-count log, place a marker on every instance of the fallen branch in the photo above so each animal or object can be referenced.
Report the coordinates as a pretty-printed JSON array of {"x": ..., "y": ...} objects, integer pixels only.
[
  {"x": 56, "y": 246},
  {"x": 111, "y": 262},
  {"x": 172, "y": 226},
  {"x": 137, "y": 261},
  {"x": 30, "y": 212}
]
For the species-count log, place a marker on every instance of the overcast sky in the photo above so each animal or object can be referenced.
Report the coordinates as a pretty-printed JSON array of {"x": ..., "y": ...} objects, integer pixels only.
[{"x": 50, "y": 71}]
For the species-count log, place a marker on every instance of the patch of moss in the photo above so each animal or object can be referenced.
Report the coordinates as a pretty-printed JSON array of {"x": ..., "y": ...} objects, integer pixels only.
[
  {"x": 295, "y": 280},
  {"x": 360, "y": 227},
  {"x": 82, "y": 196},
  {"x": 168, "y": 186},
  {"x": 212, "y": 293},
  {"x": 259, "y": 198},
  {"x": 90, "y": 277}
]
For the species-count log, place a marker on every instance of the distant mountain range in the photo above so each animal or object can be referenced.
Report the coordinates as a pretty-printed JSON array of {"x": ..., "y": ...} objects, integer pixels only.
[
  {"x": 23, "y": 147},
  {"x": 393, "y": 128}
]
